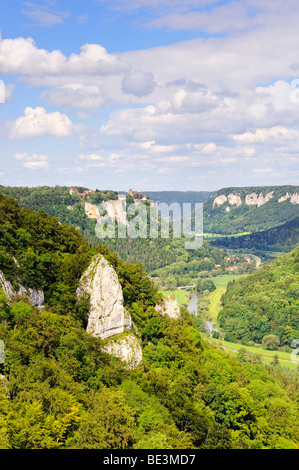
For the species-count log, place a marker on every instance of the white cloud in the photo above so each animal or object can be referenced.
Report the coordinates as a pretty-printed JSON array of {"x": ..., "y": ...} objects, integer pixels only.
[
  {"x": 138, "y": 83},
  {"x": 43, "y": 16},
  {"x": 75, "y": 95},
  {"x": 33, "y": 162},
  {"x": 273, "y": 135},
  {"x": 21, "y": 56},
  {"x": 216, "y": 20},
  {"x": 36, "y": 122}
]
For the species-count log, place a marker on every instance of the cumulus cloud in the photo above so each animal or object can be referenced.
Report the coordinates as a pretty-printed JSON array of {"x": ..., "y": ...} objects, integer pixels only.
[
  {"x": 274, "y": 135},
  {"x": 75, "y": 95},
  {"x": 138, "y": 83},
  {"x": 21, "y": 56},
  {"x": 36, "y": 122},
  {"x": 33, "y": 162}
]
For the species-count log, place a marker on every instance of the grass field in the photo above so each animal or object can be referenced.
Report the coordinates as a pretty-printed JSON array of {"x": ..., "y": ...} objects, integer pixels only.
[
  {"x": 220, "y": 235},
  {"x": 181, "y": 295},
  {"x": 222, "y": 281},
  {"x": 215, "y": 304},
  {"x": 267, "y": 356}
]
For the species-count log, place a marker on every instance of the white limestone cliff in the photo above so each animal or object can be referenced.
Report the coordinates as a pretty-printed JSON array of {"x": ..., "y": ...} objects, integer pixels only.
[
  {"x": 107, "y": 315},
  {"x": 254, "y": 199},
  {"x": 169, "y": 307},
  {"x": 234, "y": 199},
  {"x": 284, "y": 198},
  {"x": 219, "y": 200},
  {"x": 114, "y": 209},
  {"x": 108, "y": 318},
  {"x": 295, "y": 198},
  {"x": 126, "y": 348},
  {"x": 35, "y": 296}
]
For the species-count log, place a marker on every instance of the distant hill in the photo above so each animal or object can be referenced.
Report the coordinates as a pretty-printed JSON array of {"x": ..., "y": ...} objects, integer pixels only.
[
  {"x": 281, "y": 238},
  {"x": 180, "y": 197},
  {"x": 250, "y": 209},
  {"x": 264, "y": 303}
]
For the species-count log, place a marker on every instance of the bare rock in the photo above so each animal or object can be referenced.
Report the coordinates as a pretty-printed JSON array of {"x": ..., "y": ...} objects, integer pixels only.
[
  {"x": 127, "y": 348},
  {"x": 107, "y": 315},
  {"x": 295, "y": 199},
  {"x": 254, "y": 199},
  {"x": 35, "y": 296},
  {"x": 234, "y": 199},
  {"x": 284, "y": 198},
  {"x": 219, "y": 200},
  {"x": 169, "y": 307}
]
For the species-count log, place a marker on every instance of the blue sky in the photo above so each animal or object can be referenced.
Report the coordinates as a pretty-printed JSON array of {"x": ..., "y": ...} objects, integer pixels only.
[{"x": 153, "y": 95}]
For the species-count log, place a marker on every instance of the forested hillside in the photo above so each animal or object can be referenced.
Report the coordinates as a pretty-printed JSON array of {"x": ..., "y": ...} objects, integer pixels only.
[
  {"x": 264, "y": 303},
  {"x": 281, "y": 238},
  {"x": 58, "y": 389},
  {"x": 250, "y": 209},
  {"x": 179, "y": 197}
]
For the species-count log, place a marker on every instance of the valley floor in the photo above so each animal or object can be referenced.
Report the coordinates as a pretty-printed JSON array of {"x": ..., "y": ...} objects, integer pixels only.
[{"x": 186, "y": 298}]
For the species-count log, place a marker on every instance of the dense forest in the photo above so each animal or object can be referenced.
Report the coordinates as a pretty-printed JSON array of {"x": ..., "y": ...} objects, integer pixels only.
[
  {"x": 58, "y": 389},
  {"x": 249, "y": 218},
  {"x": 281, "y": 238},
  {"x": 264, "y": 303}
]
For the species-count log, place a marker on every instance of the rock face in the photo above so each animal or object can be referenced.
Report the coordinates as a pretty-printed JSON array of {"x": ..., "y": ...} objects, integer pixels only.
[
  {"x": 295, "y": 198},
  {"x": 284, "y": 198},
  {"x": 36, "y": 297},
  {"x": 115, "y": 210},
  {"x": 254, "y": 199},
  {"x": 107, "y": 315},
  {"x": 169, "y": 307},
  {"x": 127, "y": 349},
  {"x": 219, "y": 200},
  {"x": 234, "y": 199}
]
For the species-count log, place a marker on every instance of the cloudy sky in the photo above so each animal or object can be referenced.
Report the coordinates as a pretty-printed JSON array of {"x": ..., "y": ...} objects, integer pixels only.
[{"x": 149, "y": 94}]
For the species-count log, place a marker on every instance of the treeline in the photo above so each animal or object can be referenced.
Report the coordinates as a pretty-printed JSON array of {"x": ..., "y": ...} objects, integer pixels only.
[{"x": 264, "y": 303}]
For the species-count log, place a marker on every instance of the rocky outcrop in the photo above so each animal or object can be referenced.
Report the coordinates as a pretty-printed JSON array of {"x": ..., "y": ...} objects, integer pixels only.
[
  {"x": 169, "y": 307},
  {"x": 108, "y": 318},
  {"x": 107, "y": 315},
  {"x": 254, "y": 199},
  {"x": 127, "y": 348},
  {"x": 295, "y": 198},
  {"x": 234, "y": 199},
  {"x": 35, "y": 296},
  {"x": 284, "y": 198},
  {"x": 219, "y": 200},
  {"x": 115, "y": 210}
]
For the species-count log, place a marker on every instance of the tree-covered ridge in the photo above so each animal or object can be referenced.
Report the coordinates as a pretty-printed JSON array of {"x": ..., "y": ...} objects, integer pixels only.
[
  {"x": 249, "y": 218},
  {"x": 58, "y": 389},
  {"x": 264, "y": 303},
  {"x": 281, "y": 238},
  {"x": 179, "y": 197}
]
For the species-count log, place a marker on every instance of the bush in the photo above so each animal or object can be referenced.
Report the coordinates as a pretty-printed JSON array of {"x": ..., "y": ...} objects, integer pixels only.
[{"x": 271, "y": 342}]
